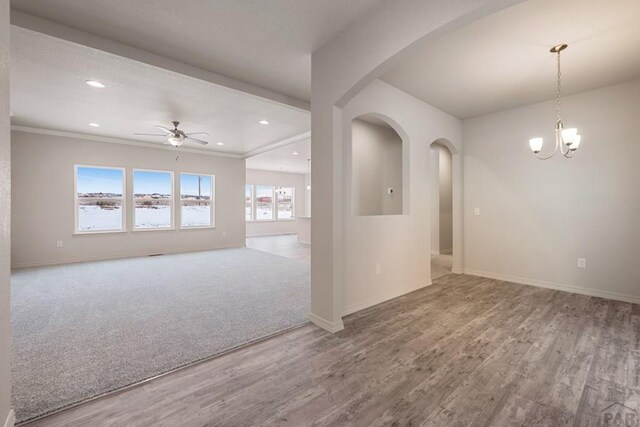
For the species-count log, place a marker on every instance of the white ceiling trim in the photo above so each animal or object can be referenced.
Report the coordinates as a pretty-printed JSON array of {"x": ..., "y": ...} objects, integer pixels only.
[
  {"x": 53, "y": 29},
  {"x": 277, "y": 144},
  {"x": 95, "y": 138}
]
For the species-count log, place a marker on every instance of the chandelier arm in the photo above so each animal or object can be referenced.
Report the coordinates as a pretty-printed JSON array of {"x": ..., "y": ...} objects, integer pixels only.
[{"x": 555, "y": 150}]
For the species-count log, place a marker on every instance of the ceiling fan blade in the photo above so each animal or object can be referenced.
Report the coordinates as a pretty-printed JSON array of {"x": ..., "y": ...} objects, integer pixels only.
[
  {"x": 197, "y": 141},
  {"x": 150, "y": 134},
  {"x": 164, "y": 129},
  {"x": 196, "y": 133}
]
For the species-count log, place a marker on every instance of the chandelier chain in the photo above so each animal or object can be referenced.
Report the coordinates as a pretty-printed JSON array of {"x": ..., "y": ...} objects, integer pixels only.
[{"x": 558, "y": 87}]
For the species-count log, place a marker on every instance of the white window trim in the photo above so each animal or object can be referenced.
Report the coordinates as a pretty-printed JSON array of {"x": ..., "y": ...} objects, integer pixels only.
[
  {"x": 212, "y": 201},
  {"x": 133, "y": 200},
  {"x": 252, "y": 198},
  {"x": 274, "y": 217},
  {"x": 76, "y": 198},
  {"x": 293, "y": 204},
  {"x": 274, "y": 198}
]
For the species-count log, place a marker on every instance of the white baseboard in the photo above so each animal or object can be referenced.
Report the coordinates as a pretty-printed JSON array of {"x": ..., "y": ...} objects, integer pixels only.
[
  {"x": 287, "y": 233},
  {"x": 11, "y": 419},
  {"x": 446, "y": 251},
  {"x": 557, "y": 286},
  {"x": 457, "y": 271},
  {"x": 380, "y": 298},
  {"x": 122, "y": 256},
  {"x": 332, "y": 327}
]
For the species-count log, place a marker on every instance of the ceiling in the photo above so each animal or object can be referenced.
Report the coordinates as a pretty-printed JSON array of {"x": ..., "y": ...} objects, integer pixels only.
[
  {"x": 48, "y": 91},
  {"x": 267, "y": 43},
  {"x": 282, "y": 160},
  {"x": 503, "y": 61}
]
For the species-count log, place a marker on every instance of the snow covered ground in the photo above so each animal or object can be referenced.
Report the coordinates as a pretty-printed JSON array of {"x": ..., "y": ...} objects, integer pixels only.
[
  {"x": 153, "y": 217},
  {"x": 95, "y": 218},
  {"x": 196, "y": 216}
]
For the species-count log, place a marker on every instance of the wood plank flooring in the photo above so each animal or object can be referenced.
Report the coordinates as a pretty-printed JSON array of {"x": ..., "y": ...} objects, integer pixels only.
[{"x": 464, "y": 351}]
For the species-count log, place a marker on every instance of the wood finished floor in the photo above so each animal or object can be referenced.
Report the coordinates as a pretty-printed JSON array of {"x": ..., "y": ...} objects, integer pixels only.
[{"x": 464, "y": 351}]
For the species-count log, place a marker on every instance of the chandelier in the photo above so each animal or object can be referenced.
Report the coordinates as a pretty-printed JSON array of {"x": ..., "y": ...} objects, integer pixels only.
[{"x": 567, "y": 140}]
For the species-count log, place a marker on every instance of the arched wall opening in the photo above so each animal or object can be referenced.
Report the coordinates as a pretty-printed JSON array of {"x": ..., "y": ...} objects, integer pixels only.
[
  {"x": 378, "y": 182},
  {"x": 445, "y": 208}
]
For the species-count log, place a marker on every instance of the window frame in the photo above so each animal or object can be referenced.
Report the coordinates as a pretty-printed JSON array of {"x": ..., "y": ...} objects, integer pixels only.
[
  {"x": 252, "y": 202},
  {"x": 76, "y": 199},
  {"x": 293, "y": 203},
  {"x": 274, "y": 216},
  {"x": 133, "y": 199},
  {"x": 211, "y": 201}
]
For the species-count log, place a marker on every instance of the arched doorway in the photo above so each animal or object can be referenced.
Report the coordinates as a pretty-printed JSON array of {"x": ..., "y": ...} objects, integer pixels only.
[{"x": 445, "y": 208}]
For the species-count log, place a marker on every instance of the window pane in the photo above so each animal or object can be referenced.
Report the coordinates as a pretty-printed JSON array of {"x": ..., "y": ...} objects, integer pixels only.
[
  {"x": 264, "y": 202},
  {"x": 248, "y": 202},
  {"x": 196, "y": 198},
  {"x": 285, "y": 202},
  {"x": 153, "y": 195},
  {"x": 99, "y": 199}
]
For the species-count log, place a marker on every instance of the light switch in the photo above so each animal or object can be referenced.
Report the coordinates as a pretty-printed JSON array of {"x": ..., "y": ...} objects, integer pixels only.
[{"x": 476, "y": 211}]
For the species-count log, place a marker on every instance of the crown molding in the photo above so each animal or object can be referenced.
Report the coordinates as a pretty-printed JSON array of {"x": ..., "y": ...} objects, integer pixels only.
[{"x": 94, "y": 138}]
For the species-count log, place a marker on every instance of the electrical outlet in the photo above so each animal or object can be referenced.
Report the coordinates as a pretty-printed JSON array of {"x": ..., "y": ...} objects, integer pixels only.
[
  {"x": 378, "y": 268},
  {"x": 476, "y": 211},
  {"x": 58, "y": 243},
  {"x": 582, "y": 263}
]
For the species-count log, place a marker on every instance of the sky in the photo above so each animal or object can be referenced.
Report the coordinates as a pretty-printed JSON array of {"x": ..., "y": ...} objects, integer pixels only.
[
  {"x": 189, "y": 184},
  {"x": 102, "y": 180},
  {"x": 146, "y": 182},
  {"x": 99, "y": 180}
]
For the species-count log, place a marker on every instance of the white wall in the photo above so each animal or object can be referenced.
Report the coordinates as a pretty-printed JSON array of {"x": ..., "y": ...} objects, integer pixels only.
[
  {"x": 538, "y": 217},
  {"x": 5, "y": 218},
  {"x": 399, "y": 243},
  {"x": 43, "y": 195},
  {"x": 445, "y": 202},
  {"x": 434, "y": 199},
  {"x": 376, "y": 166},
  {"x": 284, "y": 179}
]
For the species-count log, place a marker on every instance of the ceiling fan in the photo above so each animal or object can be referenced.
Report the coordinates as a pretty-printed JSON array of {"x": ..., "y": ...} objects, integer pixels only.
[{"x": 175, "y": 136}]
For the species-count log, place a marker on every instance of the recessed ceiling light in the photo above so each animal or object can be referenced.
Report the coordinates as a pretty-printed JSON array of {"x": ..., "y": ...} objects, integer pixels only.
[
  {"x": 295, "y": 153},
  {"x": 264, "y": 122},
  {"x": 94, "y": 125},
  {"x": 95, "y": 83},
  {"x": 219, "y": 143}
]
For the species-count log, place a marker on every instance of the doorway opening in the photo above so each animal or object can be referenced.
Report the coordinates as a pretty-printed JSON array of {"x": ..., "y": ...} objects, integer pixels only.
[{"x": 441, "y": 209}]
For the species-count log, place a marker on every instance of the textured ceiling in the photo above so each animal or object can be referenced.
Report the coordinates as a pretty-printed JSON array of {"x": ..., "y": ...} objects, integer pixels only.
[
  {"x": 503, "y": 60},
  {"x": 48, "y": 90},
  {"x": 267, "y": 43}
]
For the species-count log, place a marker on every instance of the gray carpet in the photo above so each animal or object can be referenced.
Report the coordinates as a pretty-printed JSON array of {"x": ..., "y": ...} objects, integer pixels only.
[{"x": 81, "y": 330}]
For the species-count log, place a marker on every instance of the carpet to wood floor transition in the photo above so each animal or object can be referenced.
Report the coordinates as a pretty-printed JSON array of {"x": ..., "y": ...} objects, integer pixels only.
[{"x": 464, "y": 351}]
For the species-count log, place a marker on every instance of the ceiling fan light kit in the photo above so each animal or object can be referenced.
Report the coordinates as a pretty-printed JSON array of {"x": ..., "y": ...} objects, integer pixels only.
[
  {"x": 177, "y": 137},
  {"x": 567, "y": 140}
]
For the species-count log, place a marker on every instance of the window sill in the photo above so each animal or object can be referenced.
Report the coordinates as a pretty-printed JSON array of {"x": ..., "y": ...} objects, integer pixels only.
[
  {"x": 272, "y": 220},
  {"x": 208, "y": 227},
  {"x": 135, "y": 230},
  {"x": 91, "y": 233}
]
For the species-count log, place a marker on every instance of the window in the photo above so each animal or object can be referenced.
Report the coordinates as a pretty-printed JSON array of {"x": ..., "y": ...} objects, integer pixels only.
[
  {"x": 264, "y": 203},
  {"x": 196, "y": 200},
  {"x": 153, "y": 199},
  {"x": 99, "y": 201},
  {"x": 248, "y": 202},
  {"x": 284, "y": 197}
]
